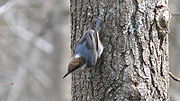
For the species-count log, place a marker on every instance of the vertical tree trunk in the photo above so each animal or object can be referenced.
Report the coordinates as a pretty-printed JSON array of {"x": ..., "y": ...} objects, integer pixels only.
[{"x": 134, "y": 64}]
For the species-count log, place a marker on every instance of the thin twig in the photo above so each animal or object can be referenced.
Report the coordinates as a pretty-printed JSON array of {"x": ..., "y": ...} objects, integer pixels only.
[
  {"x": 176, "y": 14},
  {"x": 5, "y": 85},
  {"x": 174, "y": 77}
]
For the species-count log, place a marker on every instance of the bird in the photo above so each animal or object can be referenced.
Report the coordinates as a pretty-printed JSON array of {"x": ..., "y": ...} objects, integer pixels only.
[{"x": 88, "y": 50}]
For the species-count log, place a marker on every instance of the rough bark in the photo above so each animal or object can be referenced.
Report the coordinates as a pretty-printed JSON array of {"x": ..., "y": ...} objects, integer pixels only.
[{"x": 134, "y": 64}]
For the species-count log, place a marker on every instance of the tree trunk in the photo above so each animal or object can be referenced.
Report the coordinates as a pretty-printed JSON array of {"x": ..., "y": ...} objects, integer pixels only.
[{"x": 134, "y": 64}]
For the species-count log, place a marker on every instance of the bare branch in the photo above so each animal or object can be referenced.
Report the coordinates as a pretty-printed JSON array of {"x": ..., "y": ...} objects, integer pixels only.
[{"x": 174, "y": 77}]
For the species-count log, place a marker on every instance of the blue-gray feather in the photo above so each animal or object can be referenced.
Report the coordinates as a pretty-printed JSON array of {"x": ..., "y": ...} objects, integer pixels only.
[{"x": 88, "y": 54}]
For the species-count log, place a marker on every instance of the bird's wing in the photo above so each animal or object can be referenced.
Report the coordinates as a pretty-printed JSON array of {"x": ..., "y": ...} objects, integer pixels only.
[
  {"x": 87, "y": 37},
  {"x": 84, "y": 37},
  {"x": 87, "y": 47}
]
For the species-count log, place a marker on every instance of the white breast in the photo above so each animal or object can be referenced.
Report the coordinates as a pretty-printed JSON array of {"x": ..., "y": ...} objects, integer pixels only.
[{"x": 100, "y": 46}]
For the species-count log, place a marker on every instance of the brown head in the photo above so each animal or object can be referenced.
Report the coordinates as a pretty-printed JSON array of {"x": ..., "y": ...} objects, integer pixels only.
[{"x": 74, "y": 64}]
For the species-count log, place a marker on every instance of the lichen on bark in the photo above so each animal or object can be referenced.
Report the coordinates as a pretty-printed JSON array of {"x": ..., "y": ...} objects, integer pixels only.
[{"x": 134, "y": 64}]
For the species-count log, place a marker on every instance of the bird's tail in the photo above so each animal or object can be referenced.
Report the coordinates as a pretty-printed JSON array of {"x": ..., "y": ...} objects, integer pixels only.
[{"x": 98, "y": 23}]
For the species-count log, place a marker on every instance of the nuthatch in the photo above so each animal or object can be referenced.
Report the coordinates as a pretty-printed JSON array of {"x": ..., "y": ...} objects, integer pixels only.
[{"x": 89, "y": 49}]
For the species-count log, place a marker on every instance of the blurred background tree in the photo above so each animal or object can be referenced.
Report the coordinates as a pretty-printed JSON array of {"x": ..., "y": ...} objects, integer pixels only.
[
  {"x": 34, "y": 50},
  {"x": 174, "y": 50}
]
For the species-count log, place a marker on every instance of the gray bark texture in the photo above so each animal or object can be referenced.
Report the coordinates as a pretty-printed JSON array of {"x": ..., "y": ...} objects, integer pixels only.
[{"x": 135, "y": 62}]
